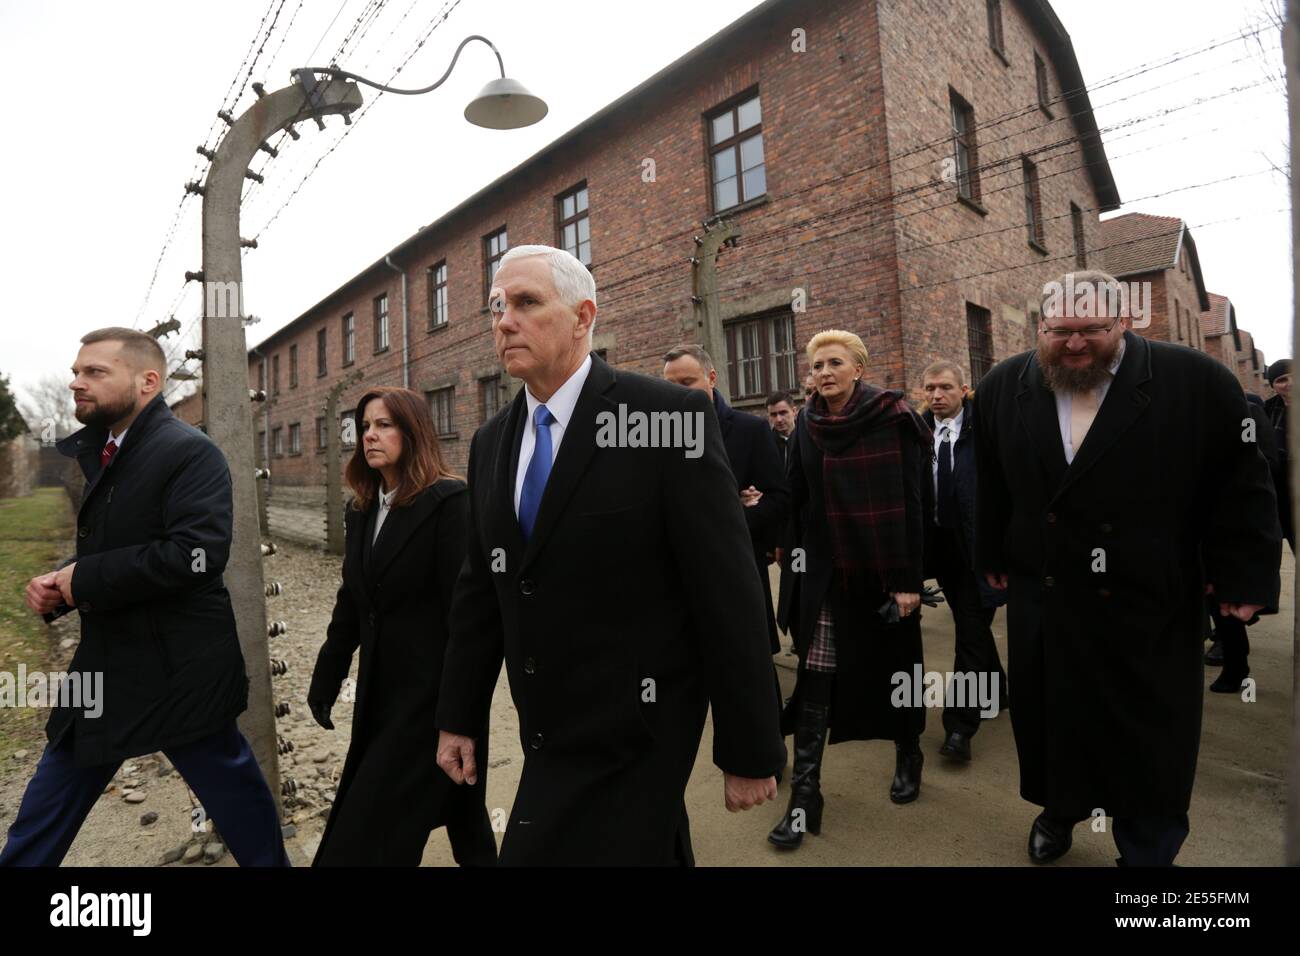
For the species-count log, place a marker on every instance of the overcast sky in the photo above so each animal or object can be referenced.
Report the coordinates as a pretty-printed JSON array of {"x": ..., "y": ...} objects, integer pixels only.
[{"x": 108, "y": 101}]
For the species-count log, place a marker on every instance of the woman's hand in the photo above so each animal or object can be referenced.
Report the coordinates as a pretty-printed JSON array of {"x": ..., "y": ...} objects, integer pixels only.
[{"x": 907, "y": 602}]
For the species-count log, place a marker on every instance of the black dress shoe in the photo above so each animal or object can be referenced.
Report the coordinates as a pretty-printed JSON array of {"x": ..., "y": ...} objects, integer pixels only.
[
  {"x": 1229, "y": 682},
  {"x": 956, "y": 747},
  {"x": 1214, "y": 655},
  {"x": 1049, "y": 839},
  {"x": 907, "y": 775}
]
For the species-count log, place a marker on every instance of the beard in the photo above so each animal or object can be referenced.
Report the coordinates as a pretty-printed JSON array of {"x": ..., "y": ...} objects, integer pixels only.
[
  {"x": 104, "y": 413},
  {"x": 1063, "y": 378}
]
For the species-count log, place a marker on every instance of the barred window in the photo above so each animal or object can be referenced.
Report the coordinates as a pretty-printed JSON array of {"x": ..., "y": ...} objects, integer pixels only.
[
  {"x": 965, "y": 150},
  {"x": 761, "y": 354},
  {"x": 442, "y": 405},
  {"x": 979, "y": 341}
]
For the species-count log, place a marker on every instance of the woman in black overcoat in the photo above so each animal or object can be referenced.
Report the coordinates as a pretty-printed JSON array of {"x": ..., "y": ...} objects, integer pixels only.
[
  {"x": 406, "y": 529},
  {"x": 855, "y": 472}
]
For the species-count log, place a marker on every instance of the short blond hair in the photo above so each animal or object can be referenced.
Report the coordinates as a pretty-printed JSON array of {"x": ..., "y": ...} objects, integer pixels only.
[{"x": 848, "y": 340}]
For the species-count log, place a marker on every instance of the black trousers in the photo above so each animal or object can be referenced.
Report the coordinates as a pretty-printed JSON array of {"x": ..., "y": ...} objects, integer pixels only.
[
  {"x": 976, "y": 653},
  {"x": 1144, "y": 841}
]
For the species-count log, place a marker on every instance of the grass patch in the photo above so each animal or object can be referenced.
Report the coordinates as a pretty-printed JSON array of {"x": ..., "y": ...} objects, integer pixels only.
[{"x": 35, "y": 535}]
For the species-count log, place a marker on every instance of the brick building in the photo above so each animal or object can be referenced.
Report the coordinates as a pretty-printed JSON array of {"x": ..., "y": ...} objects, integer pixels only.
[
  {"x": 908, "y": 170},
  {"x": 1160, "y": 250},
  {"x": 1233, "y": 345}
]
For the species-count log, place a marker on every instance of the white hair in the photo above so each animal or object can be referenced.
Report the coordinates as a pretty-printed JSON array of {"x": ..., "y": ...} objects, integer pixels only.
[{"x": 572, "y": 279}]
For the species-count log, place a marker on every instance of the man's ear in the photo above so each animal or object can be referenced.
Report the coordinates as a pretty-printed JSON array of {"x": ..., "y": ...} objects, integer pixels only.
[
  {"x": 586, "y": 316},
  {"x": 149, "y": 381}
]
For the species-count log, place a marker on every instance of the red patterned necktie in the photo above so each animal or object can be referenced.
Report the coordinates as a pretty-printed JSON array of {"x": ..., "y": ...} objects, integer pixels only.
[{"x": 106, "y": 455}]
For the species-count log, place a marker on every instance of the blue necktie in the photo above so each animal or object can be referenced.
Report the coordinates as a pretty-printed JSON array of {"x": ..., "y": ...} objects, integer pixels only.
[{"x": 539, "y": 469}]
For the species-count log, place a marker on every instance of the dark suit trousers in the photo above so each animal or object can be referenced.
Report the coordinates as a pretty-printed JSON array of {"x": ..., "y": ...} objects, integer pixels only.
[
  {"x": 1143, "y": 841},
  {"x": 976, "y": 651},
  {"x": 220, "y": 769}
]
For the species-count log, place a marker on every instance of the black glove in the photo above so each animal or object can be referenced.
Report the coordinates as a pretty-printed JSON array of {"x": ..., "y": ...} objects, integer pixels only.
[
  {"x": 932, "y": 597},
  {"x": 320, "y": 712}
]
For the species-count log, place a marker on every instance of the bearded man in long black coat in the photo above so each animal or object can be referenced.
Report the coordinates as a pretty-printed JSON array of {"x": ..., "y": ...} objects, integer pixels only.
[{"x": 1119, "y": 480}]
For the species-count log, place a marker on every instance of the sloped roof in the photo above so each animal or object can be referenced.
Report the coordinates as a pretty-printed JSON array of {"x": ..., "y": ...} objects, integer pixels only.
[
  {"x": 1214, "y": 321},
  {"x": 1138, "y": 242}
]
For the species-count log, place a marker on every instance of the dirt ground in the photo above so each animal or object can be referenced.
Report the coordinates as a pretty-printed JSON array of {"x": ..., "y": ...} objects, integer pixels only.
[{"x": 966, "y": 815}]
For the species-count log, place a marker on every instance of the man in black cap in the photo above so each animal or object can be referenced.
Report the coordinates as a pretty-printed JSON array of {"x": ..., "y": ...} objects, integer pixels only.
[{"x": 1279, "y": 379}]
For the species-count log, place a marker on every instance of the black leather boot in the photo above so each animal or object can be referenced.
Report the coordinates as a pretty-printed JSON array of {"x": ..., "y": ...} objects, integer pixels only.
[
  {"x": 805, "y": 811},
  {"x": 907, "y": 772}
]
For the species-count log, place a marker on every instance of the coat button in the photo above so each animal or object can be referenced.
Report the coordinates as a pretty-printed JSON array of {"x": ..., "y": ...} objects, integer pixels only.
[
  {"x": 527, "y": 587},
  {"x": 1051, "y": 517},
  {"x": 1048, "y": 581},
  {"x": 1105, "y": 529},
  {"x": 537, "y": 741},
  {"x": 372, "y": 618},
  {"x": 530, "y": 666},
  {"x": 1104, "y": 592},
  {"x": 83, "y": 531}
]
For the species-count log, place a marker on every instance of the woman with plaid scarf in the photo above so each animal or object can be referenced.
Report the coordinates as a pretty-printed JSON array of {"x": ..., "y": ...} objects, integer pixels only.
[{"x": 855, "y": 469}]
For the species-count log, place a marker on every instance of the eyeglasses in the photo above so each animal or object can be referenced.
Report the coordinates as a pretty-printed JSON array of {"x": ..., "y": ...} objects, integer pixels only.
[{"x": 1092, "y": 332}]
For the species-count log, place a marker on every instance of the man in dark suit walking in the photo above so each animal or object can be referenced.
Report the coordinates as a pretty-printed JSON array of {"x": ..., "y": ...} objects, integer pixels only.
[
  {"x": 1117, "y": 483},
  {"x": 754, "y": 459},
  {"x": 153, "y": 536},
  {"x": 948, "y": 501},
  {"x": 609, "y": 567}
]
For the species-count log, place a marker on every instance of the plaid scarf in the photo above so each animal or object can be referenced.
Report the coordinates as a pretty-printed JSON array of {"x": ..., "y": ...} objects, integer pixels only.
[{"x": 863, "y": 483}]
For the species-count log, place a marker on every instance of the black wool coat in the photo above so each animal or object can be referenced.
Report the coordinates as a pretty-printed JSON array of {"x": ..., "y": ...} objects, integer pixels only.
[
  {"x": 634, "y": 606},
  {"x": 153, "y": 536},
  {"x": 868, "y": 651},
  {"x": 1108, "y": 559},
  {"x": 393, "y": 606},
  {"x": 756, "y": 460}
]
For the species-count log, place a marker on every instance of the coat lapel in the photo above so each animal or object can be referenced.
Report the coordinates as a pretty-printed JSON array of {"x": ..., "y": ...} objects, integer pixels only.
[
  {"x": 398, "y": 527},
  {"x": 576, "y": 450},
  {"x": 499, "y": 523},
  {"x": 1125, "y": 400},
  {"x": 1038, "y": 413}
]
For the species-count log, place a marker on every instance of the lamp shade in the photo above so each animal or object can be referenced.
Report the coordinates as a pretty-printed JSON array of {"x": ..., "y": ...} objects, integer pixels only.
[{"x": 505, "y": 104}]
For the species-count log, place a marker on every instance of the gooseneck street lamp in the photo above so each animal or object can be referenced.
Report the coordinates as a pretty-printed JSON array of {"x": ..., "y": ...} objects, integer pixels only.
[{"x": 502, "y": 104}]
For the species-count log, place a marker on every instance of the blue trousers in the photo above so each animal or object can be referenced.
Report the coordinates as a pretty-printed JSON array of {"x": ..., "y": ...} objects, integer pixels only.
[{"x": 220, "y": 769}]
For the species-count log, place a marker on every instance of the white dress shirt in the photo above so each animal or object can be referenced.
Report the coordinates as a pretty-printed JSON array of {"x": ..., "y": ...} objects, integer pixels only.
[
  {"x": 117, "y": 439},
  {"x": 951, "y": 436},
  {"x": 560, "y": 405},
  {"x": 1064, "y": 404},
  {"x": 385, "y": 503}
]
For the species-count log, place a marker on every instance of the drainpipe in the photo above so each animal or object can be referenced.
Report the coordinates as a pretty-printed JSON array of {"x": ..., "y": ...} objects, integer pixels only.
[{"x": 406, "y": 338}]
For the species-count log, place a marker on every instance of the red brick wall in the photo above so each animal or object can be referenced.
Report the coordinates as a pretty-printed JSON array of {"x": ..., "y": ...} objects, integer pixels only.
[
  {"x": 832, "y": 117},
  {"x": 928, "y": 48},
  {"x": 822, "y": 114}
]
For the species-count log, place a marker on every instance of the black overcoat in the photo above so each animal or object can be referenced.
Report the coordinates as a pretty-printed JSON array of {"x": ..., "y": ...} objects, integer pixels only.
[
  {"x": 153, "y": 536},
  {"x": 869, "y": 652},
  {"x": 633, "y": 607},
  {"x": 393, "y": 606},
  {"x": 756, "y": 460},
  {"x": 1108, "y": 559}
]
